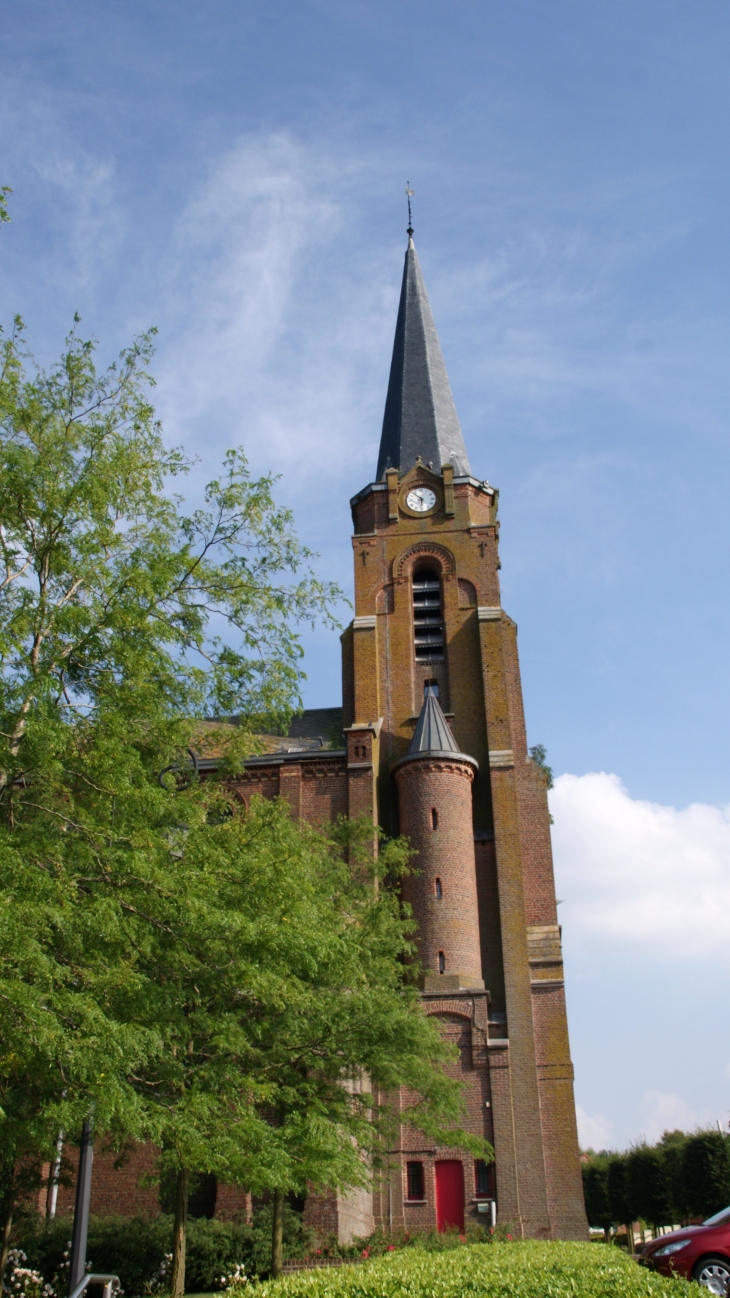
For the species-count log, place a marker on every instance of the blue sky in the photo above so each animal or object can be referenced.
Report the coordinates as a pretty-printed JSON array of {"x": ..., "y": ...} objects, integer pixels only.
[{"x": 234, "y": 173}]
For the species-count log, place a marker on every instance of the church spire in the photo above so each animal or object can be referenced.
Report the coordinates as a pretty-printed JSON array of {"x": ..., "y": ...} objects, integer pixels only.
[{"x": 420, "y": 416}]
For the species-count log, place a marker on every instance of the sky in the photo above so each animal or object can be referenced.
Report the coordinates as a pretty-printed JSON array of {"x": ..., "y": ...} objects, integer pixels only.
[{"x": 235, "y": 173}]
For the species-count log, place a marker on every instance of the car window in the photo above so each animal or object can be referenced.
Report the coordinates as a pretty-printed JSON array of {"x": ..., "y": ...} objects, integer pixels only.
[{"x": 719, "y": 1218}]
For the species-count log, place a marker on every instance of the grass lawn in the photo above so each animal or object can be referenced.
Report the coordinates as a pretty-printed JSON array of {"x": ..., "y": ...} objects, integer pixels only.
[{"x": 529, "y": 1269}]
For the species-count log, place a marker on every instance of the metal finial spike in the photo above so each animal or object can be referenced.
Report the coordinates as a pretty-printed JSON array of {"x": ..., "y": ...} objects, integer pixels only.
[{"x": 409, "y": 195}]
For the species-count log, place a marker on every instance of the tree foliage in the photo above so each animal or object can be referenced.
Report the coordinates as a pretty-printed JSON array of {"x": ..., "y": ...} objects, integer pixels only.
[
  {"x": 117, "y": 628},
  {"x": 220, "y": 980},
  {"x": 596, "y": 1195},
  {"x": 620, "y": 1205},
  {"x": 681, "y": 1178},
  {"x": 648, "y": 1185},
  {"x": 706, "y": 1173}
]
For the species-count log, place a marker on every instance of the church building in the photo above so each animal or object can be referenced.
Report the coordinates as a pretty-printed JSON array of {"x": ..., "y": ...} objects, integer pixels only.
[{"x": 430, "y": 741}]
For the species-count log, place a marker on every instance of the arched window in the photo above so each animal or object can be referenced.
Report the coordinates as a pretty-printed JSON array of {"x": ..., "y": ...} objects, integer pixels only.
[
  {"x": 428, "y": 627},
  {"x": 439, "y": 890},
  {"x": 434, "y": 818},
  {"x": 442, "y": 962}
]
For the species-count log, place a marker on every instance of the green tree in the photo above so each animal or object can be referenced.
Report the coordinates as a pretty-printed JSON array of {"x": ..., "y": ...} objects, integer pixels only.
[
  {"x": 706, "y": 1173},
  {"x": 538, "y": 754},
  {"x": 648, "y": 1185},
  {"x": 123, "y": 621},
  {"x": 673, "y": 1144},
  {"x": 223, "y": 984},
  {"x": 617, "y": 1183},
  {"x": 595, "y": 1193},
  {"x": 275, "y": 972}
]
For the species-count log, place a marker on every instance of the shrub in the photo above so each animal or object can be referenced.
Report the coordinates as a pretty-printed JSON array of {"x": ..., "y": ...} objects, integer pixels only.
[
  {"x": 134, "y": 1248},
  {"x": 131, "y": 1248},
  {"x": 382, "y": 1241},
  {"x": 532, "y": 1269}
]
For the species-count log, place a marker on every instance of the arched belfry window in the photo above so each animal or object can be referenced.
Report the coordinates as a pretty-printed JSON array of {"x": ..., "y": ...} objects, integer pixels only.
[{"x": 428, "y": 626}]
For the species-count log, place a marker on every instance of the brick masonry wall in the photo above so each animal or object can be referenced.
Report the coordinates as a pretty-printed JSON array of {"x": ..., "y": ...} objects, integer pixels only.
[
  {"x": 315, "y": 787},
  {"x": 479, "y": 681},
  {"x": 463, "y": 1021},
  {"x": 490, "y": 932},
  {"x": 449, "y": 925},
  {"x": 117, "y": 1183},
  {"x": 127, "y": 1186}
]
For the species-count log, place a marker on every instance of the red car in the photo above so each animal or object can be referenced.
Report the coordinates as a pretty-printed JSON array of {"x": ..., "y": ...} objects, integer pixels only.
[{"x": 699, "y": 1253}]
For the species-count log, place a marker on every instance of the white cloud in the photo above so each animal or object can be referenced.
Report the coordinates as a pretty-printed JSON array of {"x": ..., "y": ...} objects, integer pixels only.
[
  {"x": 668, "y": 1112},
  {"x": 638, "y": 875},
  {"x": 271, "y": 323},
  {"x": 594, "y": 1132}
]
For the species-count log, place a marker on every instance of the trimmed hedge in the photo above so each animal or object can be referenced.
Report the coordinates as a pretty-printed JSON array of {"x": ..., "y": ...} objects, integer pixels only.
[{"x": 528, "y": 1269}]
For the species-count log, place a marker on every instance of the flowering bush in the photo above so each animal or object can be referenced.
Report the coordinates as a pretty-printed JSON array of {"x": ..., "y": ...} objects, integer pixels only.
[
  {"x": 22, "y": 1281},
  {"x": 237, "y": 1278},
  {"x": 158, "y": 1282}
]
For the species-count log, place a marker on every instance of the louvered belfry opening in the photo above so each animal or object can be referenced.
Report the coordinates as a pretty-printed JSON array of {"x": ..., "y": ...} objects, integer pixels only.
[{"x": 428, "y": 625}]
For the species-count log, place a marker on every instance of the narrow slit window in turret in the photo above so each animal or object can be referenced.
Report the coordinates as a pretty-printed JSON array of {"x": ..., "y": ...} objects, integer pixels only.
[
  {"x": 439, "y": 890},
  {"x": 442, "y": 962},
  {"x": 428, "y": 625},
  {"x": 434, "y": 818}
]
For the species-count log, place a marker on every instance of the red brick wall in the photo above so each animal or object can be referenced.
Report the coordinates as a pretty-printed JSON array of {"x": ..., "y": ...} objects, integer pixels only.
[{"x": 451, "y": 924}]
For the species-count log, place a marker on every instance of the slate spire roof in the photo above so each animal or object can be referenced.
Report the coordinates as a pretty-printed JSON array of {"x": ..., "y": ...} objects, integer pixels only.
[
  {"x": 433, "y": 733},
  {"x": 420, "y": 415}
]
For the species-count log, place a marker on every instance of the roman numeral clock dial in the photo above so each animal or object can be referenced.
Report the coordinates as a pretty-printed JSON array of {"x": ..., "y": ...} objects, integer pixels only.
[{"x": 421, "y": 499}]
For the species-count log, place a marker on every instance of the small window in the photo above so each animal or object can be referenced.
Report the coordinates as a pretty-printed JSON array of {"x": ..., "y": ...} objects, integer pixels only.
[
  {"x": 414, "y": 1173},
  {"x": 439, "y": 892},
  {"x": 442, "y": 962},
  {"x": 434, "y": 818},
  {"x": 484, "y": 1179}
]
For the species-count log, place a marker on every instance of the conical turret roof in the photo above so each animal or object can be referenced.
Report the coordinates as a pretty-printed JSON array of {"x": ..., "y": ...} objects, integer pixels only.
[
  {"x": 433, "y": 732},
  {"x": 420, "y": 416}
]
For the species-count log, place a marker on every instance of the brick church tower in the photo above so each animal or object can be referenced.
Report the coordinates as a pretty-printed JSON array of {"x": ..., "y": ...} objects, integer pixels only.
[
  {"x": 433, "y": 706},
  {"x": 434, "y": 748}
]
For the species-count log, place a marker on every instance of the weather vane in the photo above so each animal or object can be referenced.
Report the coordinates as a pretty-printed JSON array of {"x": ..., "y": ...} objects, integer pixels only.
[{"x": 409, "y": 195}]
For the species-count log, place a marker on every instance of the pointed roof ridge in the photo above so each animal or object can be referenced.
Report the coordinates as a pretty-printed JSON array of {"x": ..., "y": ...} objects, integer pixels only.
[
  {"x": 420, "y": 416},
  {"x": 433, "y": 734}
]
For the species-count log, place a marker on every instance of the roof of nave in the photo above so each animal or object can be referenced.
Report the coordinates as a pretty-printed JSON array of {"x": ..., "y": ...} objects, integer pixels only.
[
  {"x": 420, "y": 416},
  {"x": 313, "y": 730}
]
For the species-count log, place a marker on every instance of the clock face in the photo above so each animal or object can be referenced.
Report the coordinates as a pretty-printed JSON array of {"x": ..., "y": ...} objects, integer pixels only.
[{"x": 421, "y": 499}]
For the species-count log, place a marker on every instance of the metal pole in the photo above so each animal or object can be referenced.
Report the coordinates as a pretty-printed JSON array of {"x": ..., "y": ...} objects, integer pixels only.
[{"x": 81, "y": 1210}]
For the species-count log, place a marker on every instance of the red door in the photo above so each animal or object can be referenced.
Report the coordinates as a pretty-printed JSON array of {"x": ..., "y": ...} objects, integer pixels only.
[{"x": 450, "y": 1195}]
